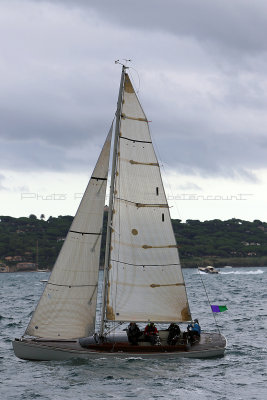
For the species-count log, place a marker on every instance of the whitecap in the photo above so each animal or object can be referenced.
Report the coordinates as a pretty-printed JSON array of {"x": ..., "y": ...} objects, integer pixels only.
[{"x": 259, "y": 271}]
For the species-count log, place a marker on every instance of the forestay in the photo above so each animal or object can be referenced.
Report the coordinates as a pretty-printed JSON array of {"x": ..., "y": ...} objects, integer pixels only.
[
  {"x": 67, "y": 307},
  {"x": 145, "y": 277}
]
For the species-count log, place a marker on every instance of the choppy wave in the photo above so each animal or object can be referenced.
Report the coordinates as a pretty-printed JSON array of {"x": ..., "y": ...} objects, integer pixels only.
[
  {"x": 251, "y": 272},
  {"x": 235, "y": 272},
  {"x": 238, "y": 375}
]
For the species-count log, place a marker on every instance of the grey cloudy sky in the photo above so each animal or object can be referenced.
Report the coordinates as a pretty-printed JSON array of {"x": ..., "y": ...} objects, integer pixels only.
[{"x": 200, "y": 67}]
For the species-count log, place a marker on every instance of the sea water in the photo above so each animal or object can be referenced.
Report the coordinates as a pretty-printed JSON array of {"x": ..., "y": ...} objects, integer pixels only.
[{"x": 240, "y": 374}]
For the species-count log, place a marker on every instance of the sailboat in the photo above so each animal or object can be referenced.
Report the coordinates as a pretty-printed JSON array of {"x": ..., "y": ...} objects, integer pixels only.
[
  {"x": 37, "y": 263},
  {"x": 142, "y": 279}
]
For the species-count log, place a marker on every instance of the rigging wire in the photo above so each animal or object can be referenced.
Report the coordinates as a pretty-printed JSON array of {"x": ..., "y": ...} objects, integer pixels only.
[
  {"x": 176, "y": 207},
  {"x": 154, "y": 140},
  {"x": 101, "y": 287},
  {"x": 132, "y": 79},
  {"x": 158, "y": 156},
  {"x": 115, "y": 326},
  {"x": 208, "y": 300},
  {"x": 117, "y": 183},
  {"x": 162, "y": 164}
]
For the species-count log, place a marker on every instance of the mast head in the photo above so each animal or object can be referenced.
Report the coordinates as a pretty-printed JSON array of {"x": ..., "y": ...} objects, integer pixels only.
[{"x": 124, "y": 65}]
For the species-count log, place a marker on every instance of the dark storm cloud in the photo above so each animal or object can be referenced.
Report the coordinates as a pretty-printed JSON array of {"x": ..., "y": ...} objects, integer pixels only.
[
  {"x": 239, "y": 24},
  {"x": 198, "y": 149},
  {"x": 202, "y": 66}
]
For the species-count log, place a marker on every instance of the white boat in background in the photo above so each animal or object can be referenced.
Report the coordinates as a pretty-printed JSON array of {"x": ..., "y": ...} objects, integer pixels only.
[
  {"x": 143, "y": 279},
  {"x": 208, "y": 270}
]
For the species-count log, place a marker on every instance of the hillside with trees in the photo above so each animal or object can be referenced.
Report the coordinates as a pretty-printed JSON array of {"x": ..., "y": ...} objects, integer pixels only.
[{"x": 233, "y": 242}]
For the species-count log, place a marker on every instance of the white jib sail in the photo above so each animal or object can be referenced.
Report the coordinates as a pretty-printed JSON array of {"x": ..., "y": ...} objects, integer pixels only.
[
  {"x": 145, "y": 277},
  {"x": 67, "y": 307}
]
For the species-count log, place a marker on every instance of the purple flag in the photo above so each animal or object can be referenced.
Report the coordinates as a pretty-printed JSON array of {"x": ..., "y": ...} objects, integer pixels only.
[{"x": 218, "y": 308}]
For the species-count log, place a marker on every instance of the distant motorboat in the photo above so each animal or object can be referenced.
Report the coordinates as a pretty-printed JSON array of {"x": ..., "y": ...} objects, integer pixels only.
[{"x": 208, "y": 270}]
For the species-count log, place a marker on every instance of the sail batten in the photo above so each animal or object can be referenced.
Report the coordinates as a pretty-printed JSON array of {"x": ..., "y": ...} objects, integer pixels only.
[
  {"x": 145, "y": 277},
  {"x": 87, "y": 233},
  {"x": 145, "y": 265},
  {"x": 138, "y": 205},
  {"x": 67, "y": 307},
  {"x": 135, "y": 140},
  {"x": 134, "y": 118},
  {"x": 57, "y": 284}
]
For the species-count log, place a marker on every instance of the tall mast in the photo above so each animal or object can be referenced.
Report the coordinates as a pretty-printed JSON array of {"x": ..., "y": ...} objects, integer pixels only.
[{"x": 111, "y": 195}]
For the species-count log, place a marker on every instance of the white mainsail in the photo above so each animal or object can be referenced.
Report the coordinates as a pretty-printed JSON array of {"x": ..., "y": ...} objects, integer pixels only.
[
  {"x": 145, "y": 280},
  {"x": 67, "y": 307}
]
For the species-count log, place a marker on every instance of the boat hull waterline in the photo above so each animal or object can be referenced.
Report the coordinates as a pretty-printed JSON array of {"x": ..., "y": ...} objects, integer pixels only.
[{"x": 210, "y": 345}]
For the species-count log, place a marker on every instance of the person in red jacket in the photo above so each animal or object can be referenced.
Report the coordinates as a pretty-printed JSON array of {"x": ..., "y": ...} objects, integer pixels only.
[{"x": 151, "y": 333}]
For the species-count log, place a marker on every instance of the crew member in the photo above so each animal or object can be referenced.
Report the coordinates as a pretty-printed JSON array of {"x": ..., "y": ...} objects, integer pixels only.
[
  {"x": 133, "y": 333},
  {"x": 151, "y": 333},
  {"x": 174, "y": 333},
  {"x": 194, "y": 331}
]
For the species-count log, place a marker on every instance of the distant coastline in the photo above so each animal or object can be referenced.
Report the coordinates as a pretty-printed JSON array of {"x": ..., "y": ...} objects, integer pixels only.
[
  {"x": 31, "y": 243},
  {"x": 223, "y": 263}
]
